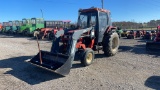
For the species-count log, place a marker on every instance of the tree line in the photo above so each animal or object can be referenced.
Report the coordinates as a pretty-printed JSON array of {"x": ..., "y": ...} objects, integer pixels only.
[{"x": 134, "y": 25}]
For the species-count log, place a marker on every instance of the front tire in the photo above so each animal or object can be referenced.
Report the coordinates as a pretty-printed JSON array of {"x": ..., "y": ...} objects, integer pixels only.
[
  {"x": 110, "y": 44},
  {"x": 88, "y": 57}
]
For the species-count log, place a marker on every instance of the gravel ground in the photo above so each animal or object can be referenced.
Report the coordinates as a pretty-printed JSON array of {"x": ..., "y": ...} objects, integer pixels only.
[{"x": 132, "y": 68}]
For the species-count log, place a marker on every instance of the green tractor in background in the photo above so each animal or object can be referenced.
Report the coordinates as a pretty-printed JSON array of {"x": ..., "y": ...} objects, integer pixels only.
[
  {"x": 26, "y": 24},
  {"x": 7, "y": 27},
  {"x": 16, "y": 26},
  {"x": 119, "y": 31},
  {"x": 30, "y": 25},
  {"x": 9, "y": 31},
  {"x": 37, "y": 23}
]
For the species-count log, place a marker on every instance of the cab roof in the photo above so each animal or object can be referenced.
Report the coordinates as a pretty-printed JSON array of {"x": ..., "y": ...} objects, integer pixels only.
[{"x": 94, "y": 9}]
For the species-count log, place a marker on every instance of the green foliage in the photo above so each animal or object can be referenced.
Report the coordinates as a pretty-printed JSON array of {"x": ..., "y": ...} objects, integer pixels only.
[{"x": 135, "y": 25}]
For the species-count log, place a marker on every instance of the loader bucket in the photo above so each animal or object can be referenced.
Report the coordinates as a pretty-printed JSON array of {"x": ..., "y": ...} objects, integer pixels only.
[
  {"x": 57, "y": 63},
  {"x": 155, "y": 46}
]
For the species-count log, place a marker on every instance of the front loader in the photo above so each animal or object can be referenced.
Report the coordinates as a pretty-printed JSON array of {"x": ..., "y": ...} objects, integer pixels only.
[{"x": 93, "y": 33}]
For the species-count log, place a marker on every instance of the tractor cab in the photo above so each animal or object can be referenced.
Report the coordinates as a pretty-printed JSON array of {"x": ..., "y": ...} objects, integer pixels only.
[
  {"x": 99, "y": 18},
  {"x": 8, "y": 26},
  {"x": 37, "y": 23},
  {"x": 24, "y": 26},
  {"x": 18, "y": 23},
  {"x": 33, "y": 21},
  {"x": 24, "y": 21},
  {"x": 16, "y": 26}
]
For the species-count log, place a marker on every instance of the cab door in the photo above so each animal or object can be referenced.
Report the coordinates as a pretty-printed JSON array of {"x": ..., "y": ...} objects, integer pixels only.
[
  {"x": 103, "y": 24},
  {"x": 33, "y": 20}
]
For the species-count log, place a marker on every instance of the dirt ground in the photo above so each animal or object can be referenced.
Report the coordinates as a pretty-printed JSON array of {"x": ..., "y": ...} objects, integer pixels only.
[{"x": 132, "y": 68}]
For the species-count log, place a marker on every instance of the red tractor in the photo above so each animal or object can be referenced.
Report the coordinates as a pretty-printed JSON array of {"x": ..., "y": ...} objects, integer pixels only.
[
  {"x": 94, "y": 32},
  {"x": 51, "y": 27}
]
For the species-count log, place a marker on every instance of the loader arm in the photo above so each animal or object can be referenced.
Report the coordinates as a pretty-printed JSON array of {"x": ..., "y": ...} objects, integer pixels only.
[{"x": 76, "y": 34}]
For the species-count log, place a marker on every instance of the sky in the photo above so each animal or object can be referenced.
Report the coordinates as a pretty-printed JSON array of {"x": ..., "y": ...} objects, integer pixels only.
[{"x": 121, "y": 10}]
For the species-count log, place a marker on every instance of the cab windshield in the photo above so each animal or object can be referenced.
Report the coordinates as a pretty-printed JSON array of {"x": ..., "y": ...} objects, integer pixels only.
[
  {"x": 17, "y": 23},
  {"x": 20, "y": 23},
  {"x": 10, "y": 23},
  {"x": 7, "y": 24},
  {"x": 14, "y": 23},
  {"x": 4, "y": 24},
  {"x": 87, "y": 19},
  {"x": 33, "y": 21},
  {"x": 24, "y": 21}
]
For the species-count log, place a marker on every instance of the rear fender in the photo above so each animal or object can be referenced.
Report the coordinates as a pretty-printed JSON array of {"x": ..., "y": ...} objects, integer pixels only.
[{"x": 110, "y": 29}]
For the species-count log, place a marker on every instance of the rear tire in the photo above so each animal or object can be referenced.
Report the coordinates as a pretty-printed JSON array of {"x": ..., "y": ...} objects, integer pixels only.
[
  {"x": 88, "y": 57},
  {"x": 110, "y": 44}
]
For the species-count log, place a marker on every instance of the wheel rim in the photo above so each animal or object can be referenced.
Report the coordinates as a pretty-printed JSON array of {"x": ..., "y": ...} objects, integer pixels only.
[
  {"x": 114, "y": 43},
  {"x": 89, "y": 57}
]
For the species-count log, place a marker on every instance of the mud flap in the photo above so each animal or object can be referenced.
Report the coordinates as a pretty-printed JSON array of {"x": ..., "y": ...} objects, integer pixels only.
[
  {"x": 58, "y": 63},
  {"x": 155, "y": 46}
]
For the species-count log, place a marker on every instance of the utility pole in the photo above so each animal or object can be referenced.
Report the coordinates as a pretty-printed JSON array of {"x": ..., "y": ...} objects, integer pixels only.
[
  {"x": 102, "y": 3},
  {"x": 42, "y": 13}
]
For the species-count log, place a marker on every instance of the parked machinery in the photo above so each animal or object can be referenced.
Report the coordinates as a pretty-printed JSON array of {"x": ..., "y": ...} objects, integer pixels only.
[
  {"x": 50, "y": 28},
  {"x": 6, "y": 27},
  {"x": 138, "y": 33},
  {"x": 94, "y": 33},
  {"x": 15, "y": 26},
  {"x": 147, "y": 35},
  {"x": 26, "y": 24},
  {"x": 131, "y": 35},
  {"x": 153, "y": 32},
  {"x": 154, "y": 44},
  {"x": 124, "y": 33},
  {"x": 119, "y": 31},
  {"x": 30, "y": 25}
]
